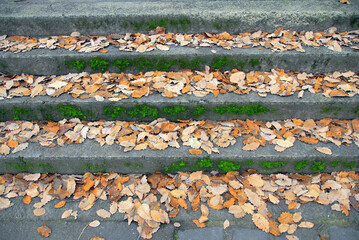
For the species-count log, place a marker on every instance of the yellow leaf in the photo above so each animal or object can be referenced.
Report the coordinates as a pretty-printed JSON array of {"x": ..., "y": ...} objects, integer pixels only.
[
  {"x": 26, "y": 199},
  {"x": 261, "y": 222},
  {"x": 286, "y": 217}
]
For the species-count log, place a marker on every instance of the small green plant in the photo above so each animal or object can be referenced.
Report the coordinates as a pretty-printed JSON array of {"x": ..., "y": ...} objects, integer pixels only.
[
  {"x": 329, "y": 109},
  {"x": 249, "y": 109},
  {"x": 127, "y": 164},
  {"x": 174, "y": 110},
  {"x": 177, "y": 166},
  {"x": 69, "y": 111},
  {"x": 301, "y": 164},
  {"x": 19, "y": 113},
  {"x": 199, "y": 110},
  {"x": 78, "y": 64},
  {"x": 144, "y": 111},
  {"x": 335, "y": 163},
  {"x": 318, "y": 166},
  {"x": 99, "y": 64},
  {"x": 349, "y": 165},
  {"x": 114, "y": 112},
  {"x": 227, "y": 166},
  {"x": 202, "y": 164},
  {"x": 95, "y": 167},
  {"x": 356, "y": 110},
  {"x": 249, "y": 162},
  {"x": 272, "y": 165},
  {"x": 122, "y": 64}
]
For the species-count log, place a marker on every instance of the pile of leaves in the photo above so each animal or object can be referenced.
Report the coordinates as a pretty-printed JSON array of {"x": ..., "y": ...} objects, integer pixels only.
[
  {"x": 160, "y": 134},
  {"x": 152, "y": 200},
  {"x": 114, "y": 86},
  {"x": 278, "y": 41}
]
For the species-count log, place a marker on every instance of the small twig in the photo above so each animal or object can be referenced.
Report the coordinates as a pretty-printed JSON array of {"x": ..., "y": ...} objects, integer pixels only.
[
  {"x": 104, "y": 189},
  {"x": 82, "y": 231}
]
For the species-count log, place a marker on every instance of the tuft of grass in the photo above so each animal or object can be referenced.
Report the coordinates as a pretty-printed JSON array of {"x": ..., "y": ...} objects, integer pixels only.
[
  {"x": 100, "y": 64},
  {"x": 318, "y": 166},
  {"x": 301, "y": 164},
  {"x": 202, "y": 164}
]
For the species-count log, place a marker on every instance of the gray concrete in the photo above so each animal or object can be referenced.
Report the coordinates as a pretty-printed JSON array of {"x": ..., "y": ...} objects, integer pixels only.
[
  {"x": 64, "y": 17},
  {"x": 200, "y": 234},
  {"x": 48, "y": 62},
  {"x": 18, "y": 221},
  {"x": 90, "y": 156},
  {"x": 314, "y": 106},
  {"x": 245, "y": 234},
  {"x": 338, "y": 233}
]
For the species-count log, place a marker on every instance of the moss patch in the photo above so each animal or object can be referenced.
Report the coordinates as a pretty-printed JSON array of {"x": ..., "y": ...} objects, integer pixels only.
[
  {"x": 269, "y": 165},
  {"x": 318, "y": 166},
  {"x": 25, "y": 166},
  {"x": 301, "y": 164},
  {"x": 100, "y": 64},
  {"x": 227, "y": 166},
  {"x": 69, "y": 111},
  {"x": 203, "y": 164},
  {"x": 249, "y": 109},
  {"x": 175, "y": 167}
]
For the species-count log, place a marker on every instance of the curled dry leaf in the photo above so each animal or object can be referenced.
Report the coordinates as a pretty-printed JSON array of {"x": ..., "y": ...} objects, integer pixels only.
[
  {"x": 44, "y": 231},
  {"x": 32, "y": 177},
  {"x": 324, "y": 150},
  {"x": 60, "y": 204},
  {"x": 94, "y": 223},
  {"x": 4, "y": 203}
]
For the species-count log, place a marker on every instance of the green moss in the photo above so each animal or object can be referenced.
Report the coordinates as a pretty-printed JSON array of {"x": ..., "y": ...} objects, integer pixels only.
[
  {"x": 249, "y": 162},
  {"x": 355, "y": 110},
  {"x": 127, "y": 164},
  {"x": 69, "y": 111},
  {"x": 227, "y": 166},
  {"x": 174, "y": 110},
  {"x": 78, "y": 64},
  {"x": 122, "y": 64},
  {"x": 335, "y": 163},
  {"x": 249, "y": 109},
  {"x": 349, "y": 165},
  {"x": 318, "y": 166},
  {"x": 3, "y": 65},
  {"x": 177, "y": 166},
  {"x": 272, "y": 165},
  {"x": 99, "y": 64},
  {"x": 138, "y": 165},
  {"x": 95, "y": 167},
  {"x": 301, "y": 164},
  {"x": 25, "y": 166},
  {"x": 199, "y": 110},
  {"x": 330, "y": 109},
  {"x": 20, "y": 113},
  {"x": 144, "y": 111},
  {"x": 223, "y": 63},
  {"x": 114, "y": 112},
  {"x": 175, "y": 235},
  {"x": 202, "y": 164}
]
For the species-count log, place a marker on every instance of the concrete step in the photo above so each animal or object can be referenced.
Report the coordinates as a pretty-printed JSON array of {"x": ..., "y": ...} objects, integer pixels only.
[
  {"x": 91, "y": 156},
  {"x": 48, "y": 62},
  {"x": 18, "y": 222},
  {"x": 251, "y": 106},
  {"x": 39, "y": 18}
]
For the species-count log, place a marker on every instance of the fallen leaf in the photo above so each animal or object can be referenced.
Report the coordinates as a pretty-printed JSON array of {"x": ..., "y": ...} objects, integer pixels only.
[
  {"x": 4, "y": 203},
  {"x": 60, "y": 204},
  {"x": 306, "y": 225},
  {"x": 26, "y": 199},
  {"x": 94, "y": 223},
  {"x": 286, "y": 217},
  {"x": 226, "y": 224},
  {"x": 44, "y": 231},
  {"x": 345, "y": 1},
  {"x": 261, "y": 222},
  {"x": 97, "y": 238},
  {"x": 32, "y": 177},
  {"x": 292, "y": 237},
  {"x": 144, "y": 212},
  {"x": 251, "y": 147},
  {"x": 195, "y": 151},
  {"x": 324, "y": 150},
  {"x": 103, "y": 213},
  {"x": 39, "y": 212},
  {"x": 66, "y": 214}
]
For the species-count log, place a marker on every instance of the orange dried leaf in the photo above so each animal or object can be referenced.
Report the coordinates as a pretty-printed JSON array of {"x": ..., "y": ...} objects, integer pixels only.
[
  {"x": 26, "y": 199},
  {"x": 60, "y": 204},
  {"x": 292, "y": 205},
  {"x": 140, "y": 92},
  {"x": 12, "y": 143},
  {"x": 261, "y": 222},
  {"x": 199, "y": 224},
  {"x": 286, "y": 217},
  {"x": 44, "y": 231},
  {"x": 97, "y": 238},
  {"x": 195, "y": 151}
]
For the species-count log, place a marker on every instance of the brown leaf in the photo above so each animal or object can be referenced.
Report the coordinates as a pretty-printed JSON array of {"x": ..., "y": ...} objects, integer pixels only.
[
  {"x": 292, "y": 205},
  {"x": 60, "y": 204},
  {"x": 273, "y": 227},
  {"x": 12, "y": 143},
  {"x": 26, "y": 199},
  {"x": 251, "y": 147},
  {"x": 292, "y": 237},
  {"x": 144, "y": 211},
  {"x": 324, "y": 150},
  {"x": 32, "y": 177},
  {"x": 255, "y": 180},
  {"x": 103, "y": 213},
  {"x": 44, "y": 231},
  {"x": 199, "y": 224},
  {"x": 4, "y": 203},
  {"x": 306, "y": 225},
  {"x": 94, "y": 223},
  {"x": 195, "y": 151},
  {"x": 286, "y": 217},
  {"x": 4, "y": 149},
  {"x": 97, "y": 238},
  {"x": 261, "y": 222},
  {"x": 36, "y": 90},
  {"x": 322, "y": 237},
  {"x": 39, "y": 212},
  {"x": 345, "y": 1}
]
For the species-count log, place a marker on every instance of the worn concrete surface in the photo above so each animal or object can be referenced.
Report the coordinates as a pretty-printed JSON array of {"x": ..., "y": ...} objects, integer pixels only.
[
  {"x": 315, "y": 106},
  {"x": 18, "y": 222},
  {"x": 90, "y": 156},
  {"x": 41, "y": 18},
  {"x": 48, "y": 62}
]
